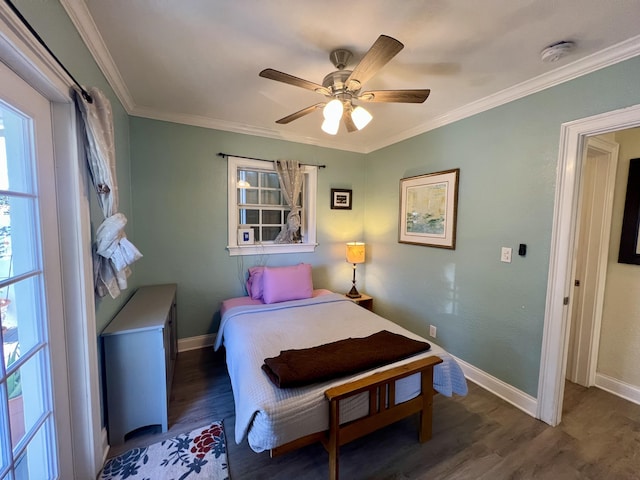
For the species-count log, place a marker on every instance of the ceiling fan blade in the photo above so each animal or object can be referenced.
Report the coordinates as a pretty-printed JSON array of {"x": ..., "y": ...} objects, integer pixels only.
[
  {"x": 300, "y": 113},
  {"x": 347, "y": 120},
  {"x": 398, "y": 96},
  {"x": 272, "y": 74},
  {"x": 383, "y": 50}
]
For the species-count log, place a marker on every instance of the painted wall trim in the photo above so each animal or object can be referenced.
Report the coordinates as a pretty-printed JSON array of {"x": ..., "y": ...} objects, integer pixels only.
[
  {"x": 81, "y": 18},
  {"x": 105, "y": 445},
  {"x": 553, "y": 358},
  {"x": 83, "y": 21},
  {"x": 609, "y": 56},
  {"x": 194, "y": 343},
  {"x": 25, "y": 56},
  {"x": 28, "y": 58},
  {"x": 508, "y": 393},
  {"x": 618, "y": 387}
]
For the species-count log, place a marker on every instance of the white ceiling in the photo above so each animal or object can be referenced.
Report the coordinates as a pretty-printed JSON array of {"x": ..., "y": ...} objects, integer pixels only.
[{"x": 197, "y": 61}]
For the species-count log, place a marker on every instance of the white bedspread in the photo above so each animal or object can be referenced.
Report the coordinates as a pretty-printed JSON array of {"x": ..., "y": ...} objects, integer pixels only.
[{"x": 271, "y": 416}]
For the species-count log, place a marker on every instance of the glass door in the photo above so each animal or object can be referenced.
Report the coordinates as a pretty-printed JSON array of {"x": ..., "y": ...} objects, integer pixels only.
[{"x": 30, "y": 296}]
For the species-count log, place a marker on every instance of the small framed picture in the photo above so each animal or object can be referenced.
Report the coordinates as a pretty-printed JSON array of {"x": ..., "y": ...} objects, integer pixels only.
[
  {"x": 245, "y": 236},
  {"x": 340, "y": 199}
]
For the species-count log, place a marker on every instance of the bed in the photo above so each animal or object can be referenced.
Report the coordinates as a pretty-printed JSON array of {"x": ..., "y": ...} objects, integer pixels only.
[{"x": 282, "y": 419}]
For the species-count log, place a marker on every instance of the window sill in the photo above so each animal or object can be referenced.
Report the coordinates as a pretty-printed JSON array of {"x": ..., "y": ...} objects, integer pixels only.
[{"x": 271, "y": 249}]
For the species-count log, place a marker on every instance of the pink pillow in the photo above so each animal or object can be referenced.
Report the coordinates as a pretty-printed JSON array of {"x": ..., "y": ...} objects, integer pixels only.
[
  {"x": 254, "y": 283},
  {"x": 287, "y": 283}
]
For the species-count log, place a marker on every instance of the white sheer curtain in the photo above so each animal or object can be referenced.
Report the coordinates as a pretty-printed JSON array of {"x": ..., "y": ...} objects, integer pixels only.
[
  {"x": 290, "y": 175},
  {"x": 113, "y": 252}
]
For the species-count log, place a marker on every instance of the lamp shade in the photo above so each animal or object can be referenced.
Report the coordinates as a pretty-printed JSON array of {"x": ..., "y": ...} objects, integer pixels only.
[
  {"x": 330, "y": 126},
  {"x": 360, "y": 117},
  {"x": 355, "y": 252},
  {"x": 333, "y": 110}
]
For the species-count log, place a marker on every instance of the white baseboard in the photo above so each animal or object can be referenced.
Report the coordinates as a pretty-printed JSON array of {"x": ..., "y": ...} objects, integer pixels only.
[
  {"x": 618, "y": 387},
  {"x": 508, "y": 393},
  {"x": 193, "y": 343}
]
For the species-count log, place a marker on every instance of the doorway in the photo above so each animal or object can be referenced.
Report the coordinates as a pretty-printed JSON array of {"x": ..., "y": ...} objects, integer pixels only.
[
  {"x": 26, "y": 57},
  {"x": 555, "y": 341},
  {"x": 34, "y": 402}
]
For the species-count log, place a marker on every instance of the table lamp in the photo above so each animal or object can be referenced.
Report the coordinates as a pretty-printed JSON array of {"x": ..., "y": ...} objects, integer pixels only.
[{"x": 355, "y": 255}]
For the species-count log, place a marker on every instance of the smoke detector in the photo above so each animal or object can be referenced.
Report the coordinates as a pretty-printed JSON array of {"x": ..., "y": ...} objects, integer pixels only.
[{"x": 556, "y": 51}]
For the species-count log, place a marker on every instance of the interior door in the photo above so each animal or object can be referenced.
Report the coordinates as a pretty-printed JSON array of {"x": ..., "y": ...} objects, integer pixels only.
[{"x": 34, "y": 414}]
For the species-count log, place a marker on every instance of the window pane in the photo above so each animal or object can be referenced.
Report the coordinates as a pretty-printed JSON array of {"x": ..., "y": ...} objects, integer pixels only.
[
  {"x": 27, "y": 390},
  {"x": 270, "y": 197},
  {"x": 256, "y": 234},
  {"x": 247, "y": 196},
  {"x": 249, "y": 216},
  {"x": 269, "y": 234},
  {"x": 270, "y": 180},
  {"x": 248, "y": 176},
  {"x": 21, "y": 318},
  {"x": 18, "y": 254},
  {"x": 15, "y": 151},
  {"x": 34, "y": 463},
  {"x": 271, "y": 217}
]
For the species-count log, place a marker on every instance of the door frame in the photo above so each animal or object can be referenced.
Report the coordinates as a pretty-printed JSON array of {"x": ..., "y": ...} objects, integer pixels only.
[
  {"x": 555, "y": 336},
  {"x": 29, "y": 59}
]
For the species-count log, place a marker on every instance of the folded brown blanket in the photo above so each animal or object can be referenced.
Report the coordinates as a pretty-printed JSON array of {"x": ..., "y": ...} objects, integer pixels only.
[{"x": 295, "y": 368}]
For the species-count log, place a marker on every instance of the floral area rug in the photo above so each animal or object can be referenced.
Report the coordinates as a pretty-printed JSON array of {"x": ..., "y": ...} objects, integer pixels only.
[{"x": 199, "y": 454}]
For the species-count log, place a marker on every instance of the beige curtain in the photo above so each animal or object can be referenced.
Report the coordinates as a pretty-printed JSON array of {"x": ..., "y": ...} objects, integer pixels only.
[
  {"x": 113, "y": 252},
  {"x": 290, "y": 176}
]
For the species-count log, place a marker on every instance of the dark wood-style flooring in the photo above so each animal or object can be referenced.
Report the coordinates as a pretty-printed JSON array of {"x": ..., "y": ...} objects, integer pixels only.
[{"x": 474, "y": 437}]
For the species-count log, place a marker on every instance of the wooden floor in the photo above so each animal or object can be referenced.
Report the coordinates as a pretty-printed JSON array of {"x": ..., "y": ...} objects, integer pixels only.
[{"x": 475, "y": 437}]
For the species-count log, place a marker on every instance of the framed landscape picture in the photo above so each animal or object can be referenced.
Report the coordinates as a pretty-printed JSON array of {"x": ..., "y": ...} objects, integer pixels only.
[{"x": 428, "y": 209}]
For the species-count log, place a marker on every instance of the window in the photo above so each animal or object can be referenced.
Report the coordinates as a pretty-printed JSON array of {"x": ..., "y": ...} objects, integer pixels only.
[{"x": 256, "y": 203}]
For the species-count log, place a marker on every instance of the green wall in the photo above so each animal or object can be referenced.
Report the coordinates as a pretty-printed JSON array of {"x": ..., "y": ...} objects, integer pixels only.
[
  {"x": 180, "y": 209},
  {"x": 53, "y": 25},
  {"x": 488, "y": 313}
]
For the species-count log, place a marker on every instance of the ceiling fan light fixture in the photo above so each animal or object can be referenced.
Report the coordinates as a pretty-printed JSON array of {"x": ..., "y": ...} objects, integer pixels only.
[
  {"x": 333, "y": 111},
  {"x": 360, "y": 117},
  {"x": 330, "y": 126}
]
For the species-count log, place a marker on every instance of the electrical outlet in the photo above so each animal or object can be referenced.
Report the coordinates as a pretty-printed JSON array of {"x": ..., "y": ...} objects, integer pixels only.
[
  {"x": 432, "y": 331},
  {"x": 505, "y": 256}
]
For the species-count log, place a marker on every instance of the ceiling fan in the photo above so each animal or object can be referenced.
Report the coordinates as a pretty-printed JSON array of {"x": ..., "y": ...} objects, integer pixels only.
[{"x": 343, "y": 87}]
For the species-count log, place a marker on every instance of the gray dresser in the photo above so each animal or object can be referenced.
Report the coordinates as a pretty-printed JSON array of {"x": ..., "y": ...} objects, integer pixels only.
[{"x": 140, "y": 349}]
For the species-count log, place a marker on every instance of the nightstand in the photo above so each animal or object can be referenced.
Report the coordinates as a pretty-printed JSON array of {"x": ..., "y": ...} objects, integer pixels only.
[{"x": 364, "y": 301}]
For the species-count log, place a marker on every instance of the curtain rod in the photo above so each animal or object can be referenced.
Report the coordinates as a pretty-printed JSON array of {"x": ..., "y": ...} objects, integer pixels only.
[
  {"x": 224, "y": 155},
  {"x": 15, "y": 10}
]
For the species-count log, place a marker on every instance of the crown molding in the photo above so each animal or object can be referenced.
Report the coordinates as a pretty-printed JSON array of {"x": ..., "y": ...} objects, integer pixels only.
[
  {"x": 83, "y": 21},
  {"x": 81, "y": 18},
  {"x": 234, "y": 127},
  {"x": 609, "y": 56}
]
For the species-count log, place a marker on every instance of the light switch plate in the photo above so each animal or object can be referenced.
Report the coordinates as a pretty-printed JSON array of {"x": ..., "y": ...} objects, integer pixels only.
[{"x": 505, "y": 256}]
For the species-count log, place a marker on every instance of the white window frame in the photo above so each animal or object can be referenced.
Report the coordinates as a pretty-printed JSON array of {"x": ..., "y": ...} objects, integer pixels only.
[
  {"x": 21, "y": 51},
  {"x": 308, "y": 210}
]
